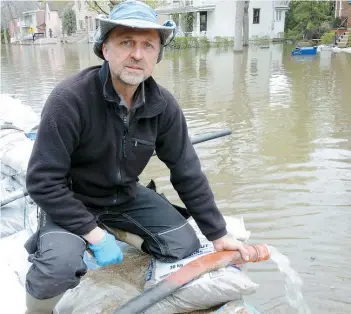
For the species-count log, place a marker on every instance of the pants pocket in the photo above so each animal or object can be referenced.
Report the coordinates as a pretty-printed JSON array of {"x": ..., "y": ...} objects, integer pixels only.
[{"x": 31, "y": 245}]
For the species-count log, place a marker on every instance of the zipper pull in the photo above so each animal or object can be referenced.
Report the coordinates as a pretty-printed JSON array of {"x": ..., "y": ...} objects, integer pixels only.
[{"x": 136, "y": 144}]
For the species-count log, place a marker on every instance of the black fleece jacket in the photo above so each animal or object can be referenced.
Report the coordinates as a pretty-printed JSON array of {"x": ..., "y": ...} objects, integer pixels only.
[{"x": 85, "y": 156}]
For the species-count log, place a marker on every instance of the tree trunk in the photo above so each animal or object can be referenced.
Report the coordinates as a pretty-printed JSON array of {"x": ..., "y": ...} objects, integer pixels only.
[
  {"x": 246, "y": 24},
  {"x": 5, "y": 36},
  {"x": 239, "y": 16}
]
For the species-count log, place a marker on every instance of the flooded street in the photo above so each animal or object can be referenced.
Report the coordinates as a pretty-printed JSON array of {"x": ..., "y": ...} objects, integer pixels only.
[{"x": 286, "y": 168}]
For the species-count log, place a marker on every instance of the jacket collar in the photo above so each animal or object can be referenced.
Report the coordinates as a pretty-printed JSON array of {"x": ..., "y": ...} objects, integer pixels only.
[{"x": 153, "y": 101}]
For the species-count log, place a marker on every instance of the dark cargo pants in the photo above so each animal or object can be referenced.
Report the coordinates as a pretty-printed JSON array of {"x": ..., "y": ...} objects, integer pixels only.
[{"x": 57, "y": 255}]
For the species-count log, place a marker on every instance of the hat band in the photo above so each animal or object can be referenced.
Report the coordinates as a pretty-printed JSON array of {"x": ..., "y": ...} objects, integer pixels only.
[{"x": 135, "y": 16}]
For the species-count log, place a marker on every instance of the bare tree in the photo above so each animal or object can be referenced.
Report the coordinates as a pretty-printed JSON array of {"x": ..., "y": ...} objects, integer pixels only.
[{"x": 104, "y": 6}]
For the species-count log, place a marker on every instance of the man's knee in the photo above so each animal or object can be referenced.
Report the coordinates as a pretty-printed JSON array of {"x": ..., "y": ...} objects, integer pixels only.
[
  {"x": 178, "y": 243},
  {"x": 57, "y": 265}
]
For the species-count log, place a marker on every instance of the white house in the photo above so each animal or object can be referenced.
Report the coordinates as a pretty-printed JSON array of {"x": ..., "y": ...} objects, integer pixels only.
[{"x": 217, "y": 17}]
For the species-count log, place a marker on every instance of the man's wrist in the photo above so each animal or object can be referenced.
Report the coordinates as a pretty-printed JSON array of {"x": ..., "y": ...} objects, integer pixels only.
[{"x": 95, "y": 235}]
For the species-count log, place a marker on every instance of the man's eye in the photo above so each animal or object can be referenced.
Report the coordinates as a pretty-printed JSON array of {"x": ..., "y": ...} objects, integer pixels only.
[
  {"x": 127, "y": 43},
  {"x": 148, "y": 45}
]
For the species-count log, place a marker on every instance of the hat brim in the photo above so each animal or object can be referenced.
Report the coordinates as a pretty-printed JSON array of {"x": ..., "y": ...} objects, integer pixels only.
[{"x": 107, "y": 24}]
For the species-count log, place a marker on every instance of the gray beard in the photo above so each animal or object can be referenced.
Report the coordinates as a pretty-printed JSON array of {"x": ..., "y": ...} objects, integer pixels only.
[{"x": 131, "y": 79}]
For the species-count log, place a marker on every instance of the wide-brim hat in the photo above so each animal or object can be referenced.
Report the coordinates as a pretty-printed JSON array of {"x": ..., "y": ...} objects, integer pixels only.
[{"x": 134, "y": 14}]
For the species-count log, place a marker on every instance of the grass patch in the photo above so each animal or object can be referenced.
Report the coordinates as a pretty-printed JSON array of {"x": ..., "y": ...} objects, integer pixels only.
[{"x": 199, "y": 42}]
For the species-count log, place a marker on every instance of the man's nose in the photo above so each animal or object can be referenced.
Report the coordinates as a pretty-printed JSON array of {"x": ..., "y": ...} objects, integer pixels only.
[{"x": 137, "y": 53}]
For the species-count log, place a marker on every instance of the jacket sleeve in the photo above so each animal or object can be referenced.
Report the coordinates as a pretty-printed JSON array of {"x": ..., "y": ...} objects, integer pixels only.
[
  {"x": 174, "y": 148},
  {"x": 49, "y": 164}
]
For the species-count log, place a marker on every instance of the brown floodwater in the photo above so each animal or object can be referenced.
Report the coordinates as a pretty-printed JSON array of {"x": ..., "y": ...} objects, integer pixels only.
[{"x": 286, "y": 167}]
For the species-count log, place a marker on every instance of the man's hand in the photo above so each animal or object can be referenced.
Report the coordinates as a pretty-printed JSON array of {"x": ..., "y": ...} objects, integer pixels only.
[
  {"x": 228, "y": 243},
  {"x": 104, "y": 247},
  {"x": 106, "y": 251}
]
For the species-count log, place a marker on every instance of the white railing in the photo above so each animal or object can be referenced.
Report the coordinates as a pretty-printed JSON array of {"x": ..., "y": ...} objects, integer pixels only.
[
  {"x": 25, "y": 24},
  {"x": 205, "y": 2},
  {"x": 190, "y": 3},
  {"x": 282, "y": 4}
]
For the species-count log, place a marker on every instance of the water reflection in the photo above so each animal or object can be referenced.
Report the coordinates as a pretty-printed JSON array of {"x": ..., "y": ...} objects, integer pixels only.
[{"x": 287, "y": 166}]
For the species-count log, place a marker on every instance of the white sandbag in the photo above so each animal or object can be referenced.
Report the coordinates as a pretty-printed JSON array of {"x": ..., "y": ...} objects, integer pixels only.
[
  {"x": 211, "y": 289},
  {"x": 18, "y": 215},
  {"x": 15, "y": 151},
  {"x": 12, "y": 297},
  {"x": 89, "y": 297},
  {"x": 13, "y": 111},
  {"x": 14, "y": 256},
  {"x": 16, "y": 119}
]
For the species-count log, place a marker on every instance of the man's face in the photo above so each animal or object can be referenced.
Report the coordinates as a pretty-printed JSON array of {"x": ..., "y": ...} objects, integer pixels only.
[{"x": 132, "y": 53}]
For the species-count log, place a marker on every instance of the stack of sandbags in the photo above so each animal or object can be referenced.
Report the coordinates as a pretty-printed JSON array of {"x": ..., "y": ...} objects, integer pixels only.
[
  {"x": 104, "y": 289},
  {"x": 16, "y": 120}
]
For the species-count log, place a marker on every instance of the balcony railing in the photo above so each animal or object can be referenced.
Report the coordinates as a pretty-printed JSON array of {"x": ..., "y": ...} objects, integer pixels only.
[
  {"x": 190, "y": 3},
  {"x": 282, "y": 4},
  {"x": 25, "y": 24},
  {"x": 183, "y": 6}
]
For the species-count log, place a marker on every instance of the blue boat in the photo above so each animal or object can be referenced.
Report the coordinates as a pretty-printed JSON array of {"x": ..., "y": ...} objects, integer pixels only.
[{"x": 304, "y": 51}]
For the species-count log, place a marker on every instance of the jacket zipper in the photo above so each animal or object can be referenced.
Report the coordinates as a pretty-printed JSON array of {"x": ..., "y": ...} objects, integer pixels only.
[
  {"x": 123, "y": 152},
  {"x": 119, "y": 172}
]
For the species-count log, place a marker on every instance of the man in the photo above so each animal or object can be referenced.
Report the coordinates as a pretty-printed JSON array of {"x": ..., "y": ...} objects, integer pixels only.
[{"x": 98, "y": 131}]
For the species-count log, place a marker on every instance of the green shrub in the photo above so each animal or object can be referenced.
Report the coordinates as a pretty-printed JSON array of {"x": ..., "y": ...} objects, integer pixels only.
[
  {"x": 293, "y": 35},
  {"x": 327, "y": 38},
  {"x": 199, "y": 42},
  {"x": 204, "y": 42}
]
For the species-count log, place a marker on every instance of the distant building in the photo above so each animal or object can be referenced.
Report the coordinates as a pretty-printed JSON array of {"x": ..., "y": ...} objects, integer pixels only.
[
  {"x": 86, "y": 17},
  {"x": 44, "y": 21},
  {"x": 343, "y": 10},
  {"x": 217, "y": 17}
]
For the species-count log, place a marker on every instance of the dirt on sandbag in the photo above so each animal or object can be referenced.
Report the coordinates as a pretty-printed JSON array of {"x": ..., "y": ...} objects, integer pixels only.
[{"x": 103, "y": 290}]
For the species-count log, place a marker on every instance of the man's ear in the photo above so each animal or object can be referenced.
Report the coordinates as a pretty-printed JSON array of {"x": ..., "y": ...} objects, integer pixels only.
[{"x": 105, "y": 51}]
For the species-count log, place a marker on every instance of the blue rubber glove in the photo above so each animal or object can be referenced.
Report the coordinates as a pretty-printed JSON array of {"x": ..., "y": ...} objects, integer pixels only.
[{"x": 107, "y": 251}]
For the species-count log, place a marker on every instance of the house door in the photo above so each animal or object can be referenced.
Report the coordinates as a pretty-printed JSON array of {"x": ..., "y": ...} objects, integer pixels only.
[{"x": 203, "y": 21}]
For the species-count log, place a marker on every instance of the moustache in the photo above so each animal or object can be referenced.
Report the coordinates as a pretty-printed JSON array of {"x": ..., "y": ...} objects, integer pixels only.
[{"x": 134, "y": 63}]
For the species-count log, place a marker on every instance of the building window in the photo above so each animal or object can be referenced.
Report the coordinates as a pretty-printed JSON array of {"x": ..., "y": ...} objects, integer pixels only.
[
  {"x": 203, "y": 21},
  {"x": 278, "y": 15},
  {"x": 91, "y": 26},
  {"x": 256, "y": 16}
]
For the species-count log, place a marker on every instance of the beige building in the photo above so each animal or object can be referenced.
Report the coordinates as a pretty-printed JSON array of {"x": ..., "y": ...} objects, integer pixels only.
[{"x": 86, "y": 16}]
